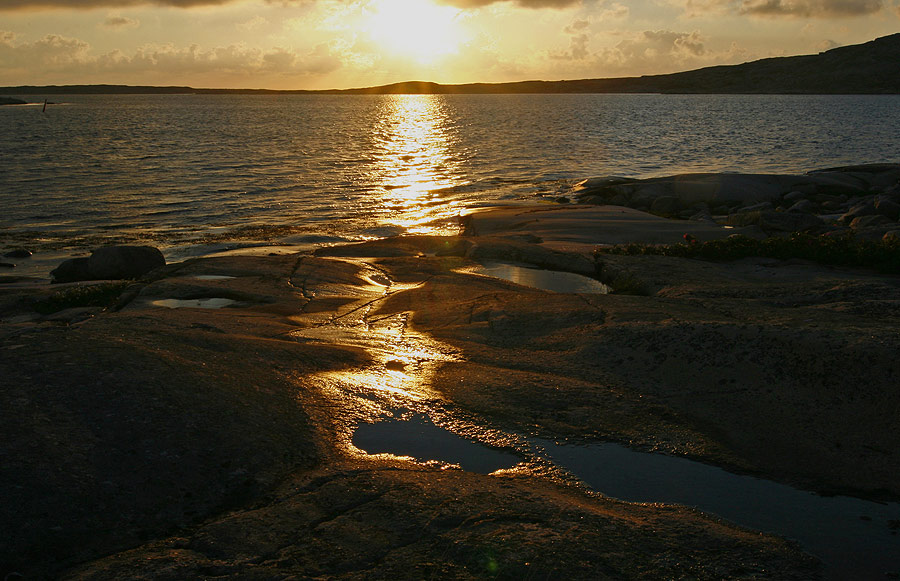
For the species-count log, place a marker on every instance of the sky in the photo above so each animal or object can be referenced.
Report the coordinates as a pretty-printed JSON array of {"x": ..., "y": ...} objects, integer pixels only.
[{"x": 322, "y": 44}]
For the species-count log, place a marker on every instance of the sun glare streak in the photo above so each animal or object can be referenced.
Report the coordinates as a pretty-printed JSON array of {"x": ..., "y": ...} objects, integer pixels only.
[
  {"x": 417, "y": 29},
  {"x": 417, "y": 159}
]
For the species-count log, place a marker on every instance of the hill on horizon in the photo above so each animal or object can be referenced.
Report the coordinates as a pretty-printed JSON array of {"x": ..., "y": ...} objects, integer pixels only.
[{"x": 868, "y": 68}]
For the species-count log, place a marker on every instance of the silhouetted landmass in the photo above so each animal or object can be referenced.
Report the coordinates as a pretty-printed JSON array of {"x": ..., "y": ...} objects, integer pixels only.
[{"x": 869, "y": 68}]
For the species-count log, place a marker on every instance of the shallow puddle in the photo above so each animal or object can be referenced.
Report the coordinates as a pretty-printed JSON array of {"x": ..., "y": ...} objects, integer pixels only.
[
  {"x": 855, "y": 539},
  {"x": 548, "y": 280},
  {"x": 419, "y": 438},
  {"x": 210, "y": 303}
]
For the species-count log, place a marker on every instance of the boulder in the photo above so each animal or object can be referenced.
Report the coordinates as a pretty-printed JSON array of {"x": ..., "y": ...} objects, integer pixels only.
[
  {"x": 597, "y": 186},
  {"x": 18, "y": 253},
  {"x": 873, "y": 234},
  {"x": 884, "y": 206},
  {"x": 863, "y": 209},
  {"x": 71, "y": 270},
  {"x": 839, "y": 182},
  {"x": 788, "y": 221},
  {"x": 794, "y": 196},
  {"x": 891, "y": 236},
  {"x": 665, "y": 205},
  {"x": 702, "y": 217},
  {"x": 757, "y": 207},
  {"x": 111, "y": 263},
  {"x": 827, "y": 198},
  {"x": 864, "y": 222},
  {"x": 120, "y": 262},
  {"x": 803, "y": 206},
  {"x": 743, "y": 218},
  {"x": 833, "y": 206}
]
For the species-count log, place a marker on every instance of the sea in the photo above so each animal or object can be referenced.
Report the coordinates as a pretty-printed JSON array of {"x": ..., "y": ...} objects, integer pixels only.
[{"x": 196, "y": 174}]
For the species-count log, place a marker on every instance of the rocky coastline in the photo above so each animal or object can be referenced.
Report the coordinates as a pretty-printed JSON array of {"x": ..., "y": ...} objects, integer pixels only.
[
  {"x": 198, "y": 421},
  {"x": 862, "y": 200}
]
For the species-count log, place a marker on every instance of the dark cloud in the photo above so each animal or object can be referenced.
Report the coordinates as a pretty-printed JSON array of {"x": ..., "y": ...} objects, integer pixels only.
[{"x": 810, "y": 8}]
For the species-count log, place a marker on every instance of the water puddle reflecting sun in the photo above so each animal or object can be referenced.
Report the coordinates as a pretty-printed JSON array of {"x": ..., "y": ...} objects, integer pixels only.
[
  {"x": 417, "y": 437},
  {"x": 548, "y": 280},
  {"x": 854, "y": 538}
]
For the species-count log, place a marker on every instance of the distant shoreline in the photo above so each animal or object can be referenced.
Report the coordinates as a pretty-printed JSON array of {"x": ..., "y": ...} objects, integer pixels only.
[
  {"x": 131, "y": 90},
  {"x": 871, "y": 68}
]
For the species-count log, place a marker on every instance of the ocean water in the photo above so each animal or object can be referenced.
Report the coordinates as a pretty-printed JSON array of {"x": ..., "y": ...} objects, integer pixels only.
[{"x": 189, "y": 172}]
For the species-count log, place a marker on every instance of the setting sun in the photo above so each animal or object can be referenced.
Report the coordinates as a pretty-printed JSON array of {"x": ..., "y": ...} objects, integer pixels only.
[{"x": 421, "y": 30}]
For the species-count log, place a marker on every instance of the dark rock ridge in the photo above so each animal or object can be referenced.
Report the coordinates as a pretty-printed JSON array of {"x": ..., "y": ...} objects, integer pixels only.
[
  {"x": 12, "y": 101},
  {"x": 110, "y": 263},
  {"x": 18, "y": 253},
  {"x": 863, "y": 199}
]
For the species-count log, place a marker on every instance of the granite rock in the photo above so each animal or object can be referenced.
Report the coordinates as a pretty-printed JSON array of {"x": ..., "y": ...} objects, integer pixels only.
[{"x": 110, "y": 263}]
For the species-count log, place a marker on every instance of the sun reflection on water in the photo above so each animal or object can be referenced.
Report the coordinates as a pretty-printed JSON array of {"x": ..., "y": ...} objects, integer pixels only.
[{"x": 416, "y": 159}]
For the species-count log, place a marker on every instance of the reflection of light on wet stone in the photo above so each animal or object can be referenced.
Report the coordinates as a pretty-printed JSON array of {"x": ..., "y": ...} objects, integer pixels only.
[
  {"x": 548, "y": 280},
  {"x": 852, "y": 537},
  {"x": 210, "y": 303},
  {"x": 418, "y": 438},
  {"x": 404, "y": 360}
]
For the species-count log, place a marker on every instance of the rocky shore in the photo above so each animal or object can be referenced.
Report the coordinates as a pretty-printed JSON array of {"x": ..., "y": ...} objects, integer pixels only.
[
  {"x": 863, "y": 200},
  {"x": 199, "y": 422}
]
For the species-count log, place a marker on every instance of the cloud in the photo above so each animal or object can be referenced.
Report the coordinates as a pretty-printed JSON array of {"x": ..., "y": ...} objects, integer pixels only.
[
  {"x": 826, "y": 45},
  {"x": 576, "y": 27},
  {"x": 655, "y": 43},
  {"x": 120, "y": 22},
  {"x": 522, "y": 3},
  {"x": 51, "y": 52},
  {"x": 89, "y": 4},
  {"x": 578, "y": 49},
  {"x": 647, "y": 50},
  {"x": 784, "y": 8},
  {"x": 254, "y": 23},
  {"x": 578, "y": 41},
  {"x": 810, "y": 8},
  {"x": 59, "y": 60},
  {"x": 646, "y": 53}
]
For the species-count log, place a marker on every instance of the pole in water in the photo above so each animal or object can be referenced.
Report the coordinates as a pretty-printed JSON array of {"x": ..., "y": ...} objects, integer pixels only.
[{"x": 44, "y": 110}]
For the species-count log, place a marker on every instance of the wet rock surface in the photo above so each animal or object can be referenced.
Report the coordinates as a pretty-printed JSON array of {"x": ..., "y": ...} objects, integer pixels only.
[{"x": 140, "y": 441}]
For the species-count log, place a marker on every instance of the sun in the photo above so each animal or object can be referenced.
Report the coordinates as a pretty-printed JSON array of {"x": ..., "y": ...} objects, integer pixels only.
[{"x": 417, "y": 29}]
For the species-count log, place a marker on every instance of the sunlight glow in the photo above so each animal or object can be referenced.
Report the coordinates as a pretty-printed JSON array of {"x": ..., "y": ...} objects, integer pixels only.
[
  {"x": 418, "y": 158},
  {"x": 417, "y": 29}
]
